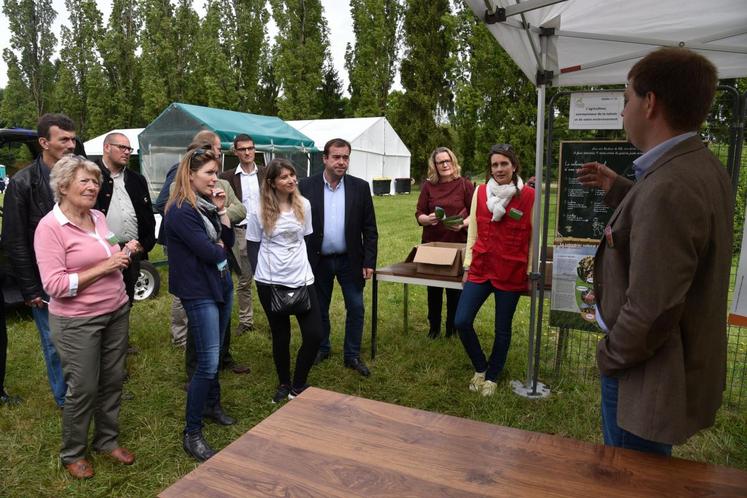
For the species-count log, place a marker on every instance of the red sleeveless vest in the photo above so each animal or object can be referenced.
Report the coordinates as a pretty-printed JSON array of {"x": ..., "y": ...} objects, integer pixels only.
[{"x": 501, "y": 251}]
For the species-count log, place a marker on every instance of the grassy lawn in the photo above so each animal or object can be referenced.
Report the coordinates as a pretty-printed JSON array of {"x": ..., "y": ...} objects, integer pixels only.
[{"x": 409, "y": 370}]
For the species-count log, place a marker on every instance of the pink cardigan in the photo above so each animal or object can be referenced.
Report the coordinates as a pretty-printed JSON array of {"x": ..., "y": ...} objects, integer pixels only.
[{"x": 63, "y": 250}]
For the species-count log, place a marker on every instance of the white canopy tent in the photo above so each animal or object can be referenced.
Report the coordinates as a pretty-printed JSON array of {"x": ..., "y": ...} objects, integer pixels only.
[
  {"x": 377, "y": 150},
  {"x": 587, "y": 42},
  {"x": 95, "y": 146}
]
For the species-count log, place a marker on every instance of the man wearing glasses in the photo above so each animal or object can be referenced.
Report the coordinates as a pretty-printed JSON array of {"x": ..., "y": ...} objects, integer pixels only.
[
  {"x": 125, "y": 200},
  {"x": 28, "y": 199},
  {"x": 245, "y": 181}
]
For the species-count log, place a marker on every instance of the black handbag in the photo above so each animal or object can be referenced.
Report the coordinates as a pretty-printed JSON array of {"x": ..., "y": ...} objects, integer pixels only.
[{"x": 289, "y": 300}]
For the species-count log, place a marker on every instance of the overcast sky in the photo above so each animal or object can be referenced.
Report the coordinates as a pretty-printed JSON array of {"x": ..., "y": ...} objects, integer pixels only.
[{"x": 337, "y": 13}]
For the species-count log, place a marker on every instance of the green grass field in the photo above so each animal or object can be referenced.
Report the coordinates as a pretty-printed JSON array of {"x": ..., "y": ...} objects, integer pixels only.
[{"x": 409, "y": 370}]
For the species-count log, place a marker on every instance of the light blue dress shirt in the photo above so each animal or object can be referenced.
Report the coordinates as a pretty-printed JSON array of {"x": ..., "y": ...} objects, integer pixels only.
[{"x": 333, "y": 241}]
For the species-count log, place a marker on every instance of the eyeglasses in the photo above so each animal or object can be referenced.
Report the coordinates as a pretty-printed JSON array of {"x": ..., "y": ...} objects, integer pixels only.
[
  {"x": 498, "y": 148},
  {"x": 245, "y": 149},
  {"x": 443, "y": 163},
  {"x": 123, "y": 148}
]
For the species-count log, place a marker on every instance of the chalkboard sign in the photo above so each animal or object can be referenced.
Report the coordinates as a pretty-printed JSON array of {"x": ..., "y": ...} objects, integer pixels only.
[{"x": 582, "y": 213}]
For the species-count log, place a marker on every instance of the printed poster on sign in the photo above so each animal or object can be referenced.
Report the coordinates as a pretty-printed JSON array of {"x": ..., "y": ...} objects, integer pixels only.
[
  {"x": 596, "y": 111},
  {"x": 573, "y": 303}
]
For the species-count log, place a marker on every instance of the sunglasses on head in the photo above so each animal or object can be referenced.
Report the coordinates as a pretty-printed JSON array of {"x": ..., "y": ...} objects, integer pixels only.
[{"x": 498, "y": 148}]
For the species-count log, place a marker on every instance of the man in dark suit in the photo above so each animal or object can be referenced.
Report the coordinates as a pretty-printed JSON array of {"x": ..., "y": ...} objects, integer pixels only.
[
  {"x": 661, "y": 272},
  {"x": 343, "y": 245}
]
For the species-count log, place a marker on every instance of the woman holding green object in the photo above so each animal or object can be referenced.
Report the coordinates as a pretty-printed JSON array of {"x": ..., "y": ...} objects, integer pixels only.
[{"x": 443, "y": 206}]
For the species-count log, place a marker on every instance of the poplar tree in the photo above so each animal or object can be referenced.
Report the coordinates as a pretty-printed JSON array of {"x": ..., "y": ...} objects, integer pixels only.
[
  {"x": 371, "y": 64},
  {"x": 29, "y": 57},
  {"x": 425, "y": 73},
  {"x": 184, "y": 36},
  {"x": 302, "y": 42},
  {"x": 268, "y": 87},
  {"x": 214, "y": 72},
  {"x": 247, "y": 33},
  {"x": 79, "y": 76},
  {"x": 162, "y": 69},
  {"x": 121, "y": 107},
  {"x": 494, "y": 102},
  {"x": 17, "y": 109},
  {"x": 331, "y": 102}
]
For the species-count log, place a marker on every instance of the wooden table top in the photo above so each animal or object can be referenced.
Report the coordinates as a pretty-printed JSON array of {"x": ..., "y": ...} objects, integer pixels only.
[{"x": 329, "y": 444}]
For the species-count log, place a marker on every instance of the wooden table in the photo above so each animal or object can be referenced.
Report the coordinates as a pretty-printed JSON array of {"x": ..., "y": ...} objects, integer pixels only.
[
  {"x": 405, "y": 274},
  {"x": 327, "y": 444}
]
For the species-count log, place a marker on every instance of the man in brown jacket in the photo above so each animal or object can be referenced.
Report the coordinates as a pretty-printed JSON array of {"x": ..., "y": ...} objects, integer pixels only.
[{"x": 661, "y": 272}]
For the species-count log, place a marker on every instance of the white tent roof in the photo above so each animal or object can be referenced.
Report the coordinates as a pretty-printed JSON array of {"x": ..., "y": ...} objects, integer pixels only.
[
  {"x": 365, "y": 134},
  {"x": 95, "y": 146},
  {"x": 590, "y": 42},
  {"x": 598, "y": 41}
]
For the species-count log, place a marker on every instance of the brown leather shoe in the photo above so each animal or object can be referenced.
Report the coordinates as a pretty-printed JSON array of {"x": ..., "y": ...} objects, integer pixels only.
[
  {"x": 80, "y": 469},
  {"x": 123, "y": 455}
]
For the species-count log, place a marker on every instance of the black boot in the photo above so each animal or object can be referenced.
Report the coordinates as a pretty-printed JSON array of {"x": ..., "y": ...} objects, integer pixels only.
[
  {"x": 434, "y": 331},
  {"x": 450, "y": 331},
  {"x": 196, "y": 446},
  {"x": 218, "y": 416}
]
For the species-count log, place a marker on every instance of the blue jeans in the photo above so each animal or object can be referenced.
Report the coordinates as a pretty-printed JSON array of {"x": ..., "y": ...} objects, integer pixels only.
[
  {"x": 472, "y": 298},
  {"x": 328, "y": 268},
  {"x": 207, "y": 321},
  {"x": 614, "y": 435},
  {"x": 51, "y": 358}
]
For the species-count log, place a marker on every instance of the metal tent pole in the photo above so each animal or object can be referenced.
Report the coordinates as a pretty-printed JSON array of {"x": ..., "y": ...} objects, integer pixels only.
[{"x": 534, "y": 389}]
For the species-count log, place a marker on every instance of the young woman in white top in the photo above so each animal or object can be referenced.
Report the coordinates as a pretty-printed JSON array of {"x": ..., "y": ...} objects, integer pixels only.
[{"x": 280, "y": 225}]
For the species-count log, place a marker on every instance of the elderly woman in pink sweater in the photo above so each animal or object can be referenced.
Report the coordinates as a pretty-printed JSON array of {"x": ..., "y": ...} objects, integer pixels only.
[{"x": 80, "y": 264}]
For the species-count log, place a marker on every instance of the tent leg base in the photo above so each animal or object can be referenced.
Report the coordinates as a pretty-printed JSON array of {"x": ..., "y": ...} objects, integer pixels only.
[{"x": 526, "y": 391}]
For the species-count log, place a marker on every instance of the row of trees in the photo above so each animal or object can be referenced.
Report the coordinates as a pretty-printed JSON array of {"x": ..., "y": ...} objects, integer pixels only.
[{"x": 458, "y": 87}]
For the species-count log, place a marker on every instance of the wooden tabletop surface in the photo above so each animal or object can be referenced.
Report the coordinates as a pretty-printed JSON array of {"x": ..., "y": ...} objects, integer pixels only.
[{"x": 328, "y": 444}]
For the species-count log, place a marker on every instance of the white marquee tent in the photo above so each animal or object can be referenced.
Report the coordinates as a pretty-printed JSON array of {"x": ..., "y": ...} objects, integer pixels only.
[
  {"x": 377, "y": 150},
  {"x": 95, "y": 146},
  {"x": 586, "y": 42}
]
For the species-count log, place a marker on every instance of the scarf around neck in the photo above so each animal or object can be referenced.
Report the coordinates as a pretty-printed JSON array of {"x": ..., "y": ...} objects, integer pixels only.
[
  {"x": 500, "y": 195},
  {"x": 210, "y": 217}
]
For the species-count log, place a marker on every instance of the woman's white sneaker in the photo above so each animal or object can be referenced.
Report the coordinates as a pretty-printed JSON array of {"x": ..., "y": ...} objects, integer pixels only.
[
  {"x": 488, "y": 388},
  {"x": 475, "y": 385}
]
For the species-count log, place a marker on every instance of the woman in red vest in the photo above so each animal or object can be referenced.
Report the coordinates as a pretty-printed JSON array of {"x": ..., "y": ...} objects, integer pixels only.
[
  {"x": 498, "y": 239},
  {"x": 448, "y": 190}
]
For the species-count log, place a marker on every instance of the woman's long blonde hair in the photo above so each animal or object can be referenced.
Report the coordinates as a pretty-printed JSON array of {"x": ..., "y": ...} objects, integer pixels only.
[
  {"x": 268, "y": 199},
  {"x": 192, "y": 161}
]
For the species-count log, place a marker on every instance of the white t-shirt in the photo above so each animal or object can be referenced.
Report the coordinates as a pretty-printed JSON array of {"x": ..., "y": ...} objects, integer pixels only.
[{"x": 282, "y": 257}]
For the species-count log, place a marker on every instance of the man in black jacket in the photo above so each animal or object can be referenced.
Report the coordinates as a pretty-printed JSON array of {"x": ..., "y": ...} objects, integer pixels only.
[
  {"x": 28, "y": 199},
  {"x": 125, "y": 200},
  {"x": 343, "y": 245}
]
